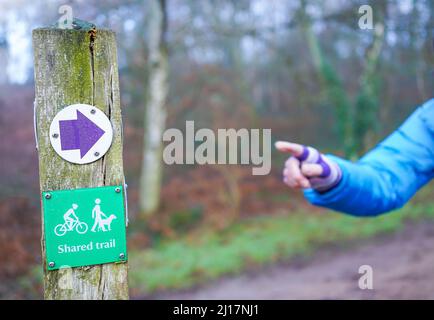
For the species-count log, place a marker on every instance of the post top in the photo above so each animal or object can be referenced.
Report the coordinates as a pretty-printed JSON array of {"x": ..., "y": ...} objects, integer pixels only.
[
  {"x": 53, "y": 29},
  {"x": 77, "y": 24}
]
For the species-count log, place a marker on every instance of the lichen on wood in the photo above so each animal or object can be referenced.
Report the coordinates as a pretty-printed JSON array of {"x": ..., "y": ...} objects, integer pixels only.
[{"x": 78, "y": 66}]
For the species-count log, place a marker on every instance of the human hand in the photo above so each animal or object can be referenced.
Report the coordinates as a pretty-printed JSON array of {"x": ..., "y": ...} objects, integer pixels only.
[{"x": 308, "y": 168}]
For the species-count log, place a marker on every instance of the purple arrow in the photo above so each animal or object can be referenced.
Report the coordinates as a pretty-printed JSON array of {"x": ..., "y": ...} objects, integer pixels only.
[{"x": 81, "y": 134}]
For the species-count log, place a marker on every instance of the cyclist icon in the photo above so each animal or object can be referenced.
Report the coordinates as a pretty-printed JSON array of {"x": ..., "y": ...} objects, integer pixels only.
[{"x": 71, "y": 222}]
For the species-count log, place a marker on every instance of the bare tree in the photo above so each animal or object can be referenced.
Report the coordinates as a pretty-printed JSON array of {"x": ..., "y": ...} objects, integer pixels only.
[{"x": 155, "y": 113}]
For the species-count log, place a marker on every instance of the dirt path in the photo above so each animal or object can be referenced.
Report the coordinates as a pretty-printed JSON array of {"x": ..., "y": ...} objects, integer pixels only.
[{"x": 403, "y": 266}]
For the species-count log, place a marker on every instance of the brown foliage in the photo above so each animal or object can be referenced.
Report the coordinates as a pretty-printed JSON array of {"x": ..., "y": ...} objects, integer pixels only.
[
  {"x": 222, "y": 194},
  {"x": 19, "y": 165},
  {"x": 19, "y": 236}
]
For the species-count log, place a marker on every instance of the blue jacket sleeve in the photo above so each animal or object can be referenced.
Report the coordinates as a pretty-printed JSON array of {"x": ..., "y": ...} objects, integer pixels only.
[{"x": 387, "y": 176}]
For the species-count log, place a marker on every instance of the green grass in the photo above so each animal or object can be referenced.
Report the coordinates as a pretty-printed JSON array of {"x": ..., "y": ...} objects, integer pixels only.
[{"x": 207, "y": 255}]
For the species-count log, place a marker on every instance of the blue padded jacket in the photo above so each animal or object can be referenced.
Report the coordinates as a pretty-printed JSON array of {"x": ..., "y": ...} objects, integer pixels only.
[{"x": 387, "y": 176}]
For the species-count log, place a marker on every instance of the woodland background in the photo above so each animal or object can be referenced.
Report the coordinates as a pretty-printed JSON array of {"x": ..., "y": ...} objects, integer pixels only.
[{"x": 303, "y": 68}]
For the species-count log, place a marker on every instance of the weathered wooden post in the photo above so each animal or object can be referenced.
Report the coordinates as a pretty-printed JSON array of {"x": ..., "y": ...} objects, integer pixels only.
[{"x": 80, "y": 67}]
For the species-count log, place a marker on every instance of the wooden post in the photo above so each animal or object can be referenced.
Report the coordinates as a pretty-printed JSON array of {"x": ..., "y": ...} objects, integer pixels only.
[{"x": 78, "y": 66}]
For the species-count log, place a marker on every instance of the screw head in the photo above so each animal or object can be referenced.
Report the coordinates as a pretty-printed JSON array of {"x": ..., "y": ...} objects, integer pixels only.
[
  {"x": 93, "y": 111},
  {"x": 117, "y": 189},
  {"x": 96, "y": 154},
  {"x": 55, "y": 135},
  {"x": 51, "y": 264},
  {"x": 48, "y": 196},
  {"x": 122, "y": 256}
]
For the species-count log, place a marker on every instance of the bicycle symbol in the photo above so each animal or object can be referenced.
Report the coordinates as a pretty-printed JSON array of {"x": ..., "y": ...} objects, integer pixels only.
[{"x": 62, "y": 229}]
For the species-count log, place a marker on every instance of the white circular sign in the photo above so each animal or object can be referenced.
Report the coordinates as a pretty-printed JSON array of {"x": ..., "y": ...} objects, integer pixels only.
[{"x": 81, "y": 133}]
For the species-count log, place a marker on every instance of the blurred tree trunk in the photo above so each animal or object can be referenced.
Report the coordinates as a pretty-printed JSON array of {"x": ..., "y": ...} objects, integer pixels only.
[
  {"x": 367, "y": 101},
  {"x": 357, "y": 122},
  {"x": 155, "y": 113},
  {"x": 331, "y": 84},
  {"x": 231, "y": 47},
  {"x": 417, "y": 47}
]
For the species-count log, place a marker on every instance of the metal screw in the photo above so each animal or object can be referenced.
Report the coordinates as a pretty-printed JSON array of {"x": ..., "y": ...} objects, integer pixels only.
[
  {"x": 55, "y": 135},
  {"x": 51, "y": 264},
  {"x": 117, "y": 189},
  {"x": 93, "y": 111},
  {"x": 48, "y": 196},
  {"x": 122, "y": 256},
  {"x": 96, "y": 154}
]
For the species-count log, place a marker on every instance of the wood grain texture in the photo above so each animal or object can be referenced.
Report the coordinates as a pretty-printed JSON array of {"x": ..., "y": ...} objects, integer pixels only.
[{"x": 75, "y": 66}]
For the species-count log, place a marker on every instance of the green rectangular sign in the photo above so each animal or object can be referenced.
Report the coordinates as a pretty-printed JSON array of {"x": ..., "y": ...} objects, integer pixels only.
[{"x": 84, "y": 226}]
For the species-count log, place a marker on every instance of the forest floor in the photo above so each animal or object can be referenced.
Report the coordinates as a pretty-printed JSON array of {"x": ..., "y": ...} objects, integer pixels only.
[
  {"x": 254, "y": 244},
  {"x": 402, "y": 265}
]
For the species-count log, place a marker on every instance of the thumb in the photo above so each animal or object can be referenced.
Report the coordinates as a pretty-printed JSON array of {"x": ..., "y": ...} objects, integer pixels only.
[{"x": 288, "y": 147}]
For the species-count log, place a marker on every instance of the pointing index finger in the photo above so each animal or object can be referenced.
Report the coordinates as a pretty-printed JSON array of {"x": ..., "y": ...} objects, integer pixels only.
[{"x": 293, "y": 148}]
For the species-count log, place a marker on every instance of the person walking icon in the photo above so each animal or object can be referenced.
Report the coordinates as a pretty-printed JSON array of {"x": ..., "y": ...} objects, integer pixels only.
[{"x": 98, "y": 215}]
